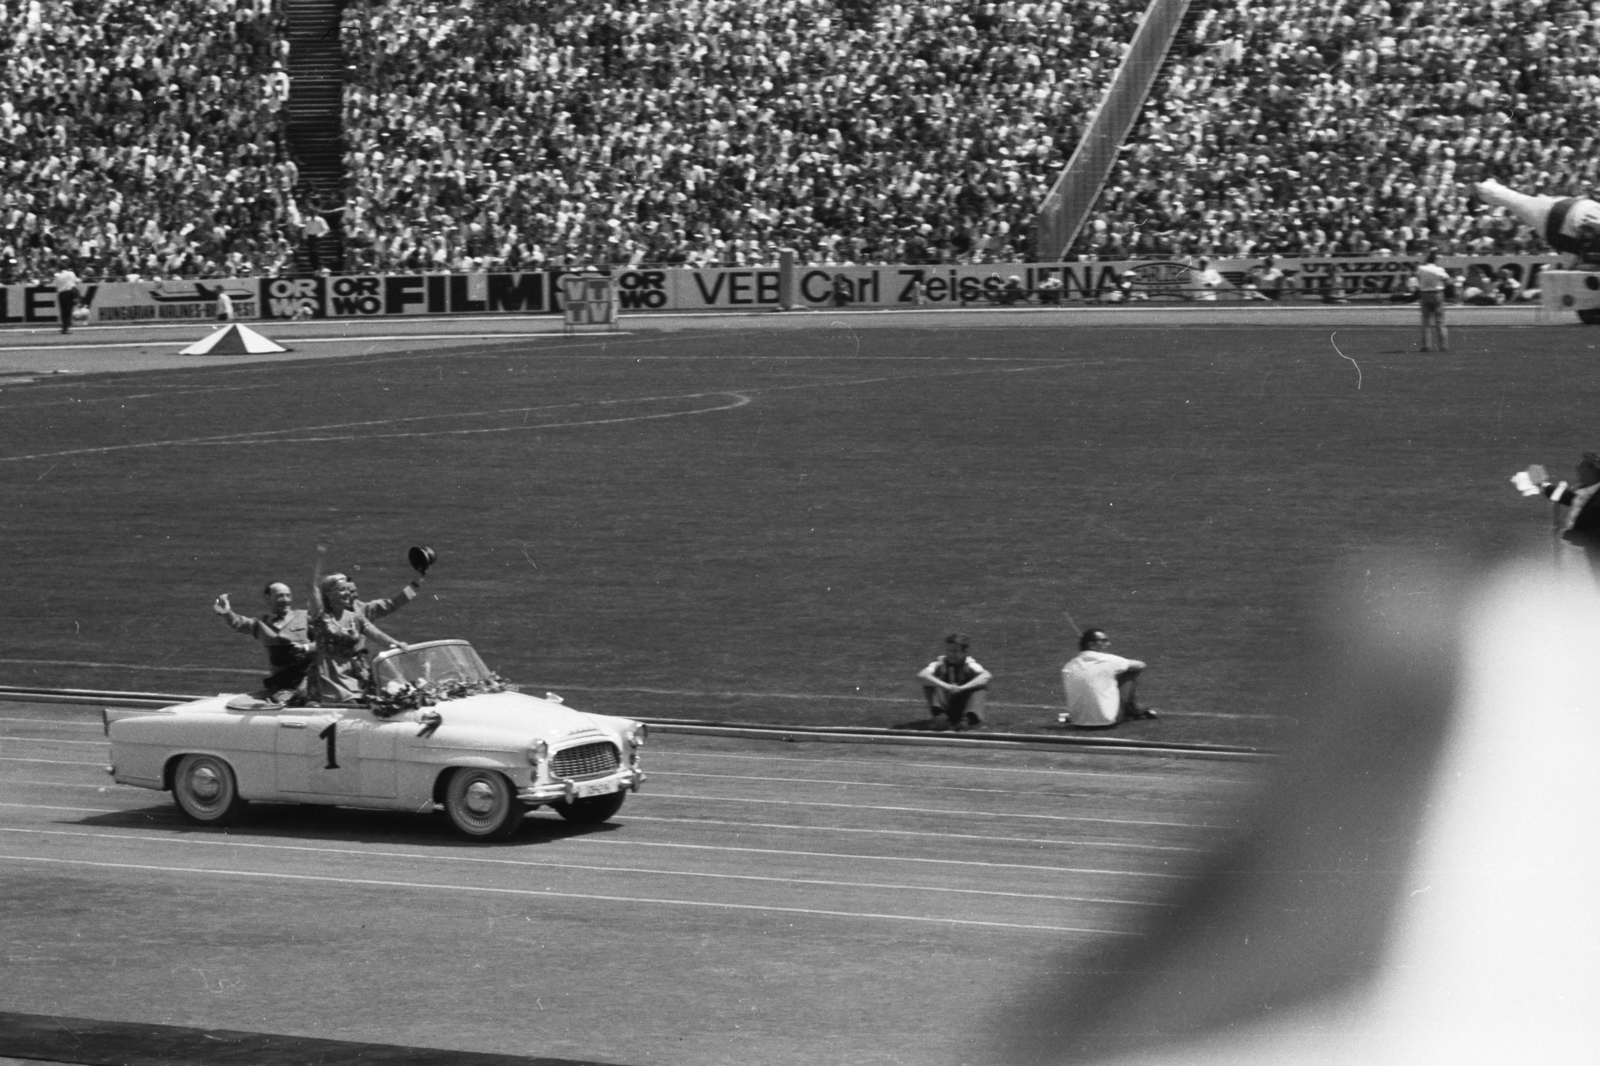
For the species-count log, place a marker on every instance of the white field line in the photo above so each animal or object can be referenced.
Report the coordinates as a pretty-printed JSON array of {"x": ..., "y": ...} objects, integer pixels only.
[
  {"x": 365, "y": 853},
  {"x": 284, "y": 437},
  {"x": 941, "y": 812},
  {"x": 911, "y": 704},
  {"x": 742, "y": 398},
  {"x": 547, "y": 894},
  {"x": 47, "y": 740}
]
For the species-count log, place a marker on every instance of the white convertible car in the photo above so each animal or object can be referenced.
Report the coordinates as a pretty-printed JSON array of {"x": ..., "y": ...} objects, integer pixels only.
[{"x": 438, "y": 730}]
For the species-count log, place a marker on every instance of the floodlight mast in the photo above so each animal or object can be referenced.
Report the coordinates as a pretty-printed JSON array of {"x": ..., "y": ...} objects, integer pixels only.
[{"x": 1066, "y": 207}]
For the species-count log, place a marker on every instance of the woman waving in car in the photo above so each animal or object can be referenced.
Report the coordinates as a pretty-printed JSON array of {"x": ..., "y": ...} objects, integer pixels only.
[{"x": 338, "y": 628}]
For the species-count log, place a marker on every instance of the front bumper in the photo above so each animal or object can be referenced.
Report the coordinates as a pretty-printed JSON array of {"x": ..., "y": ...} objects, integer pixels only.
[{"x": 565, "y": 790}]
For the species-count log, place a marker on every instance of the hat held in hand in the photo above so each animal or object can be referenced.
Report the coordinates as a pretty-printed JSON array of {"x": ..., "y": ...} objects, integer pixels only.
[{"x": 421, "y": 559}]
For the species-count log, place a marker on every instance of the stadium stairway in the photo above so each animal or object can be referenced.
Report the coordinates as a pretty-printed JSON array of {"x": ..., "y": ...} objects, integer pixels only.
[
  {"x": 316, "y": 70},
  {"x": 1183, "y": 48}
]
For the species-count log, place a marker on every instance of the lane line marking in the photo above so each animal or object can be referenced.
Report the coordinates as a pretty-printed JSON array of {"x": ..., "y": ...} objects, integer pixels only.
[
  {"x": 174, "y": 668},
  {"x": 546, "y": 893},
  {"x": 940, "y": 811},
  {"x": 86, "y": 724},
  {"x": 658, "y": 752},
  {"x": 810, "y": 828},
  {"x": 368, "y": 853},
  {"x": 52, "y": 762},
  {"x": 49, "y": 740},
  {"x": 75, "y": 810},
  {"x": 872, "y": 784},
  {"x": 941, "y": 836}
]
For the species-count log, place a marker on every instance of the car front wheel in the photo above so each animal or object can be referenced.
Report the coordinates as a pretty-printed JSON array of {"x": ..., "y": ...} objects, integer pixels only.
[
  {"x": 591, "y": 811},
  {"x": 482, "y": 805},
  {"x": 206, "y": 790}
]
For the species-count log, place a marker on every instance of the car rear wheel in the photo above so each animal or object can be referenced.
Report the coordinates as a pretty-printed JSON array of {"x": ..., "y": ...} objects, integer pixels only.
[
  {"x": 482, "y": 805},
  {"x": 591, "y": 811},
  {"x": 206, "y": 790}
]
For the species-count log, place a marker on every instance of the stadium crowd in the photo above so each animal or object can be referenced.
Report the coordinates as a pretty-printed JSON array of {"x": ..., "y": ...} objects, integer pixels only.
[
  {"x": 1357, "y": 127},
  {"x": 715, "y": 130},
  {"x": 142, "y": 138},
  {"x": 149, "y": 140}
]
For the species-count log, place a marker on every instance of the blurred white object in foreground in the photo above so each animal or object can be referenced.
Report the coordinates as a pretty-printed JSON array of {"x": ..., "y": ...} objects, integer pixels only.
[{"x": 1482, "y": 866}]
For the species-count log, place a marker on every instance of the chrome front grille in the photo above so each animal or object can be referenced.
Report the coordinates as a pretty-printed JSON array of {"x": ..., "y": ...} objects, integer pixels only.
[{"x": 586, "y": 760}]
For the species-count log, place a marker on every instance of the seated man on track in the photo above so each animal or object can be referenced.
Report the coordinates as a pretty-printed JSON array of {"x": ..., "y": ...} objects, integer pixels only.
[
  {"x": 956, "y": 686},
  {"x": 1100, "y": 686}
]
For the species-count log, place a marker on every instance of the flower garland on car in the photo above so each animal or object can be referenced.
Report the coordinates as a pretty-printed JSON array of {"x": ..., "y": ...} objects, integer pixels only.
[{"x": 398, "y": 696}]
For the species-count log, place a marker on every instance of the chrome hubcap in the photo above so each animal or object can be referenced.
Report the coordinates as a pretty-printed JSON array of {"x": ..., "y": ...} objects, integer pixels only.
[
  {"x": 479, "y": 798},
  {"x": 204, "y": 783}
]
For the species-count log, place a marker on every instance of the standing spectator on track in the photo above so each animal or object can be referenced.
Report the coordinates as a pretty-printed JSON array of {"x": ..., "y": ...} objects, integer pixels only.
[
  {"x": 1267, "y": 280},
  {"x": 1100, "y": 687},
  {"x": 66, "y": 283},
  {"x": 1207, "y": 281},
  {"x": 1431, "y": 282},
  {"x": 283, "y": 630},
  {"x": 956, "y": 686}
]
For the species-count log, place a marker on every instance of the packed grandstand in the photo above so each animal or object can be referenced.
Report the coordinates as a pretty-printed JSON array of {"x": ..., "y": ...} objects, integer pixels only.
[{"x": 150, "y": 139}]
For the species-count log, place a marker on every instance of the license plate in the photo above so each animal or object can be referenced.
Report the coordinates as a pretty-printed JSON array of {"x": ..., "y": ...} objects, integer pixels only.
[{"x": 596, "y": 788}]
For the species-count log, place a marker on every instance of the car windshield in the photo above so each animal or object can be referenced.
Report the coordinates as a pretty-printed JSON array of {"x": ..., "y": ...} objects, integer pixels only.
[{"x": 436, "y": 664}]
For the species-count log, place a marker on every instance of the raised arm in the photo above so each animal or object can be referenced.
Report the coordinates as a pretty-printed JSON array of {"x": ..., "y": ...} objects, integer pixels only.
[
  {"x": 315, "y": 610},
  {"x": 237, "y": 622},
  {"x": 379, "y": 608},
  {"x": 371, "y": 632}
]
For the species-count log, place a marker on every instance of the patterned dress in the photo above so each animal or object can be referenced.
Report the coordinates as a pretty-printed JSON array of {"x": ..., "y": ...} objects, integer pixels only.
[{"x": 339, "y": 674}]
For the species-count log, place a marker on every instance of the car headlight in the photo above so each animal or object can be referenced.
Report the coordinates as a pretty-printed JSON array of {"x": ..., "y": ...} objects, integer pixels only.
[
  {"x": 538, "y": 752},
  {"x": 636, "y": 735}
]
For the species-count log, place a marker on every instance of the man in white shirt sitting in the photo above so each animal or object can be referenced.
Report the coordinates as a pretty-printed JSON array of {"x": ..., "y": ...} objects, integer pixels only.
[{"x": 1100, "y": 687}]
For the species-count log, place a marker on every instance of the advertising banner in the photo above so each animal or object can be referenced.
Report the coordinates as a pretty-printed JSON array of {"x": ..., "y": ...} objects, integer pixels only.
[
  {"x": 378, "y": 295},
  {"x": 739, "y": 288},
  {"x": 1373, "y": 278},
  {"x": 136, "y": 301}
]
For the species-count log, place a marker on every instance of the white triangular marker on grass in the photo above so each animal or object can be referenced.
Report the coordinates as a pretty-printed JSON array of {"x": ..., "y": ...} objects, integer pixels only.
[{"x": 234, "y": 340}]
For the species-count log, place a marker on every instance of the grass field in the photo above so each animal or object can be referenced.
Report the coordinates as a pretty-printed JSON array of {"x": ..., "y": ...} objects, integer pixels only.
[{"x": 779, "y": 527}]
